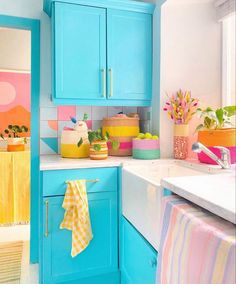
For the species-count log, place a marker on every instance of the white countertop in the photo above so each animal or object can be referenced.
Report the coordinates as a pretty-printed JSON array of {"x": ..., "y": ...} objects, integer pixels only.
[
  {"x": 56, "y": 162},
  {"x": 216, "y": 193}
]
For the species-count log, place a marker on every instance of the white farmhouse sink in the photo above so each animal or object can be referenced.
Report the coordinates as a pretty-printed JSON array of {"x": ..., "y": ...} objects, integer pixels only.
[{"x": 142, "y": 192}]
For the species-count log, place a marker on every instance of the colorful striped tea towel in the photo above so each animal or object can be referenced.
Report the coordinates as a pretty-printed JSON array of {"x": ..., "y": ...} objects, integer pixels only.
[
  {"x": 196, "y": 246},
  {"x": 76, "y": 216}
]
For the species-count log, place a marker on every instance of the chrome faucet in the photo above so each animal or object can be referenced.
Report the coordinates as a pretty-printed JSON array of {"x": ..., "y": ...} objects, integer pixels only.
[{"x": 224, "y": 162}]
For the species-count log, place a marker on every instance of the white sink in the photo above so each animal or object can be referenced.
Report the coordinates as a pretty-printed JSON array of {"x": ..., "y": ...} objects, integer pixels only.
[{"x": 142, "y": 192}]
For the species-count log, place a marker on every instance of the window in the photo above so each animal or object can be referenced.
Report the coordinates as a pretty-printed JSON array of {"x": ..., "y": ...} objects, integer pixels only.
[{"x": 228, "y": 60}]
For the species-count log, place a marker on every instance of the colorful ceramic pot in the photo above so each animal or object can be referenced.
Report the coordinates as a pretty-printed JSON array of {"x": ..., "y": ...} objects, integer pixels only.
[
  {"x": 219, "y": 137},
  {"x": 181, "y": 132},
  {"x": 146, "y": 149},
  {"x": 98, "y": 150},
  {"x": 122, "y": 130},
  {"x": 15, "y": 144},
  {"x": 69, "y": 141}
]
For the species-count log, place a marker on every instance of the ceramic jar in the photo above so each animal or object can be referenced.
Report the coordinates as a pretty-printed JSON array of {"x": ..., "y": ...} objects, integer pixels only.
[
  {"x": 121, "y": 129},
  {"x": 218, "y": 137},
  {"x": 98, "y": 150},
  {"x": 146, "y": 149},
  {"x": 181, "y": 133}
]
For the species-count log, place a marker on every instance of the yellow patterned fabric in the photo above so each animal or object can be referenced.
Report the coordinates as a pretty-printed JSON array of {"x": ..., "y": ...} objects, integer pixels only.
[
  {"x": 76, "y": 216},
  {"x": 14, "y": 187}
]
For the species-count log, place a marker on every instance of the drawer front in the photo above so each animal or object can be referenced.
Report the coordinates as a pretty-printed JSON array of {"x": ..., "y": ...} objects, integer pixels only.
[{"x": 98, "y": 180}]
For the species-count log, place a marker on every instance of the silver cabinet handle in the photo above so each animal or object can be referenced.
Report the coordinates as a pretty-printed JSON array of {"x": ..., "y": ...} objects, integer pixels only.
[
  {"x": 46, "y": 221},
  {"x": 103, "y": 83},
  {"x": 111, "y": 82}
]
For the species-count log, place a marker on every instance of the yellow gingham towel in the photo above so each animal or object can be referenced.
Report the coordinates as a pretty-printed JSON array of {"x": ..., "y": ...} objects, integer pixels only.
[{"x": 76, "y": 216}]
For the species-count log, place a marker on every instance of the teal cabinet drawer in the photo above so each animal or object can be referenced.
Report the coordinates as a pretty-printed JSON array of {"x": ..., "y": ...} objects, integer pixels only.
[
  {"x": 138, "y": 258},
  {"x": 99, "y": 180},
  {"x": 98, "y": 262}
]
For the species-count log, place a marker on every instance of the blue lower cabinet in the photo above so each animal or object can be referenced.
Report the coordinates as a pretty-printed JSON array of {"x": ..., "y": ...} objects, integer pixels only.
[
  {"x": 98, "y": 263},
  {"x": 138, "y": 258}
]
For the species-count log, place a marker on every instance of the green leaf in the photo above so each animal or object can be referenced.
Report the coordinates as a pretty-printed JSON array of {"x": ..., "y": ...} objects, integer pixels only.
[
  {"x": 208, "y": 109},
  {"x": 97, "y": 147},
  {"x": 85, "y": 117},
  {"x": 220, "y": 116},
  {"x": 10, "y": 126},
  {"x": 207, "y": 122},
  {"x": 1, "y": 135},
  {"x": 92, "y": 136},
  {"x": 6, "y": 131},
  {"x": 199, "y": 127},
  {"x": 80, "y": 142},
  {"x": 24, "y": 128},
  {"x": 231, "y": 110},
  {"x": 115, "y": 145}
]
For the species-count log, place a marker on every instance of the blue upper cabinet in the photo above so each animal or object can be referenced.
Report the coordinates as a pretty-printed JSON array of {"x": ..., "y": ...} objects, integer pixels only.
[
  {"x": 129, "y": 39},
  {"x": 101, "y": 52},
  {"x": 79, "y": 52}
]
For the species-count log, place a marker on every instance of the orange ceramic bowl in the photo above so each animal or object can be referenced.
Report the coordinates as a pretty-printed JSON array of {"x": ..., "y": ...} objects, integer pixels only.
[{"x": 16, "y": 148}]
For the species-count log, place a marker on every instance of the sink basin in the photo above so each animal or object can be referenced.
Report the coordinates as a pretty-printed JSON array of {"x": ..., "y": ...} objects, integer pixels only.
[
  {"x": 142, "y": 193},
  {"x": 154, "y": 173}
]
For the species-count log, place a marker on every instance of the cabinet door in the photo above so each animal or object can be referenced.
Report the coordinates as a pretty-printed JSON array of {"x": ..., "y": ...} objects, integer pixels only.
[
  {"x": 99, "y": 258},
  {"x": 79, "y": 52},
  {"x": 129, "y": 36},
  {"x": 138, "y": 258}
]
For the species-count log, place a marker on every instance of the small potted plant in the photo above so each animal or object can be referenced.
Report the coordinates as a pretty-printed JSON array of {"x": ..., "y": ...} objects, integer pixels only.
[
  {"x": 13, "y": 135},
  {"x": 181, "y": 107},
  {"x": 98, "y": 145},
  {"x": 217, "y": 130}
]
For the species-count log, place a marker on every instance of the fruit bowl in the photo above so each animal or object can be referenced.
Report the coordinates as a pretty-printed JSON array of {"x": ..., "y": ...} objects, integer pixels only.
[{"x": 146, "y": 147}]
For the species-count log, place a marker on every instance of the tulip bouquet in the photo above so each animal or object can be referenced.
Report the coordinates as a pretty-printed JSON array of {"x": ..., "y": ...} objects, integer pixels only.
[{"x": 181, "y": 107}]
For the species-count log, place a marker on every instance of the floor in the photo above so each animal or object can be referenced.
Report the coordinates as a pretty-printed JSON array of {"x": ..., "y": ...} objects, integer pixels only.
[{"x": 29, "y": 272}]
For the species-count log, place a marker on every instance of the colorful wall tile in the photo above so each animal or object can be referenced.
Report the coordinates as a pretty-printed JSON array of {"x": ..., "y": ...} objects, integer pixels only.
[
  {"x": 54, "y": 119},
  {"x": 65, "y": 112}
]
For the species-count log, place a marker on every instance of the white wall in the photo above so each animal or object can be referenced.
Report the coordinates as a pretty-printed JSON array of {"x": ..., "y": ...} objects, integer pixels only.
[
  {"x": 15, "y": 49},
  {"x": 34, "y": 9},
  {"x": 190, "y": 58}
]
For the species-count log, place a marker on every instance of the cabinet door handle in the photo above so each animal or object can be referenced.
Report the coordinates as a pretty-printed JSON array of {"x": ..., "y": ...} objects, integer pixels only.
[
  {"x": 153, "y": 263},
  {"x": 111, "y": 82},
  {"x": 46, "y": 221},
  {"x": 103, "y": 83}
]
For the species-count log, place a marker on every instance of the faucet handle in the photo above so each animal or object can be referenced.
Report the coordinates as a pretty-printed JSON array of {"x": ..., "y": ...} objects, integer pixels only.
[{"x": 225, "y": 154}]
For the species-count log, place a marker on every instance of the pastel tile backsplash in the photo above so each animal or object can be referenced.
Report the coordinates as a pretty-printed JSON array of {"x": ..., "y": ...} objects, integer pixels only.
[{"x": 54, "y": 119}]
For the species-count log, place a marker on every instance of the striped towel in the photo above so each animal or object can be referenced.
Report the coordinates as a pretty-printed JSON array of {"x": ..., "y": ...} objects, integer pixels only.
[
  {"x": 196, "y": 247},
  {"x": 76, "y": 216}
]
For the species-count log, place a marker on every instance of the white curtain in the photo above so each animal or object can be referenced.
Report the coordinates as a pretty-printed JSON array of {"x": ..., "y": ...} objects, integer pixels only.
[{"x": 224, "y": 8}]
